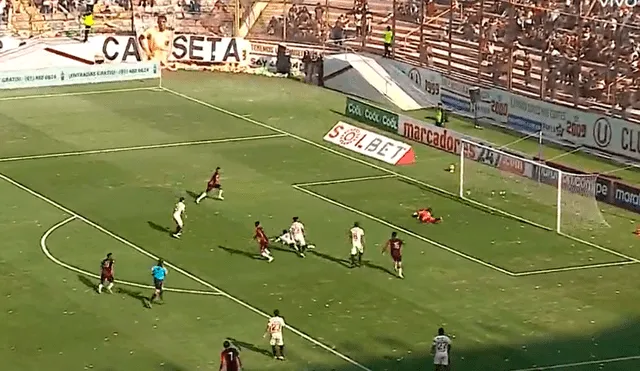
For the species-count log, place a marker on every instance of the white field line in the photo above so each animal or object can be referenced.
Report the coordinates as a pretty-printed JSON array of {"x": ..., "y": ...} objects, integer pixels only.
[
  {"x": 138, "y": 148},
  {"x": 372, "y": 165},
  {"x": 596, "y": 246},
  {"x": 45, "y": 250},
  {"x": 183, "y": 272},
  {"x": 341, "y": 181},
  {"x": 578, "y": 364},
  {"x": 574, "y": 268},
  {"x": 78, "y": 93},
  {"x": 406, "y": 231}
]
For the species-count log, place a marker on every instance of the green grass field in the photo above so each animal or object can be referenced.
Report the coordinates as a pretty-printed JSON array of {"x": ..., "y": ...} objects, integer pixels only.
[{"x": 86, "y": 174}]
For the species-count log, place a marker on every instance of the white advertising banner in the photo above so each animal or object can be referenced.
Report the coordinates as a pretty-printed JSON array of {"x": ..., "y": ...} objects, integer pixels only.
[
  {"x": 72, "y": 75},
  {"x": 183, "y": 48},
  {"x": 370, "y": 144}
]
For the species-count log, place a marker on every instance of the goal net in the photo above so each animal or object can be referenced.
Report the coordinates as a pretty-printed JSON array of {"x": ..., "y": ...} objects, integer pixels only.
[
  {"x": 529, "y": 191},
  {"x": 78, "y": 80}
]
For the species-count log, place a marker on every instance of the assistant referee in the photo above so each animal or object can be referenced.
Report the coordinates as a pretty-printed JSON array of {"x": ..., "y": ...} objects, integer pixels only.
[{"x": 159, "y": 272}]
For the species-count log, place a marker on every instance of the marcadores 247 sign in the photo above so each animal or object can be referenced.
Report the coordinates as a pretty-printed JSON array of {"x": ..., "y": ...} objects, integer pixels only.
[{"x": 370, "y": 144}]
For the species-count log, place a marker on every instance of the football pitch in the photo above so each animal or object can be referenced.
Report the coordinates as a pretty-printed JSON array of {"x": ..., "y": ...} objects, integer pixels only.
[{"x": 85, "y": 173}]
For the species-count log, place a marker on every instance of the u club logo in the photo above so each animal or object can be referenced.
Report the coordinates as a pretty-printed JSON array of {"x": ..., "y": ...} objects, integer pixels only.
[{"x": 602, "y": 132}]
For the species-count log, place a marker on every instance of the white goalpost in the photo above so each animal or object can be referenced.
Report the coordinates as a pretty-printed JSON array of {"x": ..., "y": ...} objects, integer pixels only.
[{"x": 529, "y": 191}]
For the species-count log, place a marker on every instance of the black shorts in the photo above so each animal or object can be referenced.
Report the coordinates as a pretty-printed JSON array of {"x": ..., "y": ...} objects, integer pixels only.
[{"x": 158, "y": 283}]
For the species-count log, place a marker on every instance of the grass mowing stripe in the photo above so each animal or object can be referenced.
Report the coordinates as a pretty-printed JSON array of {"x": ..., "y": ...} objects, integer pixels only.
[
  {"x": 348, "y": 180},
  {"x": 45, "y": 250},
  {"x": 406, "y": 231},
  {"x": 383, "y": 169},
  {"x": 182, "y": 271},
  {"x": 575, "y": 268},
  {"x": 578, "y": 364},
  {"x": 79, "y": 93},
  {"x": 138, "y": 148}
]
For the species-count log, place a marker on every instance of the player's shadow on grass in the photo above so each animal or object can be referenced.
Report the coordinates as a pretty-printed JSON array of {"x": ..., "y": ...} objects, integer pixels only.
[
  {"x": 343, "y": 262},
  {"x": 137, "y": 295},
  {"x": 382, "y": 269},
  {"x": 283, "y": 249},
  {"x": 247, "y": 254},
  {"x": 248, "y": 346},
  {"x": 158, "y": 227},
  {"x": 193, "y": 194},
  {"x": 87, "y": 282}
]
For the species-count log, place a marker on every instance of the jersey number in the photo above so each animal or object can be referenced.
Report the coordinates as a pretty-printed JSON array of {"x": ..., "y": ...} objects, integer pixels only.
[{"x": 274, "y": 327}]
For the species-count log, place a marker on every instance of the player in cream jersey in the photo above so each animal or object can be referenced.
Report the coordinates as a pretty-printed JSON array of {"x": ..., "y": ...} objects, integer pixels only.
[
  {"x": 441, "y": 348},
  {"x": 297, "y": 233},
  {"x": 157, "y": 43},
  {"x": 178, "y": 214},
  {"x": 356, "y": 234},
  {"x": 274, "y": 330}
]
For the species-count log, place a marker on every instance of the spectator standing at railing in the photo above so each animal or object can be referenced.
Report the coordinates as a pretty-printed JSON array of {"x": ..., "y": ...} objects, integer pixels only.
[
  {"x": 87, "y": 22},
  {"x": 388, "y": 42},
  {"x": 3, "y": 5}
]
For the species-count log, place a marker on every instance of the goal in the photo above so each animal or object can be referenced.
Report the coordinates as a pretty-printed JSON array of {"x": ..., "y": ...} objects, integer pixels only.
[
  {"x": 529, "y": 191},
  {"x": 78, "y": 80}
]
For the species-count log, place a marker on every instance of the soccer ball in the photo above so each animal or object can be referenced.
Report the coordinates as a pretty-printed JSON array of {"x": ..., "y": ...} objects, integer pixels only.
[{"x": 468, "y": 193}]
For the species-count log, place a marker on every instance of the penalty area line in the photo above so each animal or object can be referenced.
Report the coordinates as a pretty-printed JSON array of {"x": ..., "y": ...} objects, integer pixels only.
[
  {"x": 406, "y": 231},
  {"x": 143, "y": 147},
  {"x": 184, "y": 272},
  {"x": 578, "y": 364},
  {"x": 348, "y": 180},
  {"x": 45, "y": 250},
  {"x": 575, "y": 268}
]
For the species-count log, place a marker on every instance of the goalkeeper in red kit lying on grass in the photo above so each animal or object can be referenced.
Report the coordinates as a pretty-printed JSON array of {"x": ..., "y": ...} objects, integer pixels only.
[{"x": 426, "y": 216}]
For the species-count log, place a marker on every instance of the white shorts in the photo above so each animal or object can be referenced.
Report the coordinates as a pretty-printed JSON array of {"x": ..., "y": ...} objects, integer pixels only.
[
  {"x": 276, "y": 339},
  {"x": 357, "y": 248},
  {"x": 178, "y": 219},
  {"x": 441, "y": 359},
  {"x": 299, "y": 240}
]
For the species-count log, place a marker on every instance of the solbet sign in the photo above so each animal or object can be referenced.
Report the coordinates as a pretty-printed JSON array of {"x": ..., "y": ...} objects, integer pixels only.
[{"x": 371, "y": 115}]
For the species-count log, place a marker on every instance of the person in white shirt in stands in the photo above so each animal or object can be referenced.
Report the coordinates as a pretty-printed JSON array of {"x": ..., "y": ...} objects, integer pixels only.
[
  {"x": 274, "y": 330},
  {"x": 441, "y": 348}
]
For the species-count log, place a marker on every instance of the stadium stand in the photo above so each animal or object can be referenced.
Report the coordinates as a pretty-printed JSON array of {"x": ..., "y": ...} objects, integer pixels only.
[{"x": 575, "y": 52}]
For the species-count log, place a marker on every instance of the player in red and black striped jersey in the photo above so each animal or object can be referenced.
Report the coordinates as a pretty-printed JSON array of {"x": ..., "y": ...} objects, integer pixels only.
[
  {"x": 106, "y": 273},
  {"x": 263, "y": 242},
  {"x": 213, "y": 184},
  {"x": 230, "y": 358},
  {"x": 394, "y": 245}
]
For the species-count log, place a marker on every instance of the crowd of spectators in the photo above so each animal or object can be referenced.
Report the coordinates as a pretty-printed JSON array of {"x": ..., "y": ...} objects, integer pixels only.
[
  {"x": 301, "y": 24},
  {"x": 354, "y": 24},
  {"x": 579, "y": 56}
]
